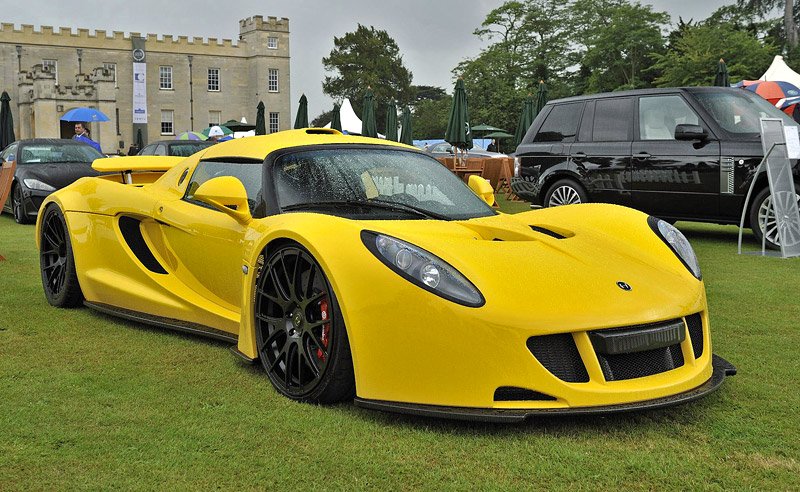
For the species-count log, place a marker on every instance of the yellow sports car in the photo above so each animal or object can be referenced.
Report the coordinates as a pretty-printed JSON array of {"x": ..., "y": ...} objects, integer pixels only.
[{"x": 352, "y": 267}]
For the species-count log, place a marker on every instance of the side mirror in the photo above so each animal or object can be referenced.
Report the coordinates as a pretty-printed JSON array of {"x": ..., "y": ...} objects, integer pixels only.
[
  {"x": 483, "y": 188},
  {"x": 226, "y": 194},
  {"x": 690, "y": 132}
]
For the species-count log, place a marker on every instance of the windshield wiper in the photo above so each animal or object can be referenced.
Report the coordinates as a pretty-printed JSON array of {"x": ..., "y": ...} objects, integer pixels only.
[{"x": 370, "y": 203}]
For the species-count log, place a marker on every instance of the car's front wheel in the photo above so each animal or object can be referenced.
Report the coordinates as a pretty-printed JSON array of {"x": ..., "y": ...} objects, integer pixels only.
[
  {"x": 57, "y": 262},
  {"x": 762, "y": 218},
  {"x": 564, "y": 192},
  {"x": 17, "y": 206},
  {"x": 300, "y": 332}
]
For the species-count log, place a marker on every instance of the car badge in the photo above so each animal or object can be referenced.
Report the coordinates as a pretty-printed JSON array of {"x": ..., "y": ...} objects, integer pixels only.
[{"x": 624, "y": 286}]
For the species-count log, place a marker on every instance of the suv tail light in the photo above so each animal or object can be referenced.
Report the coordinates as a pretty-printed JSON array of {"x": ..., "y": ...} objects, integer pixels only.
[{"x": 517, "y": 163}]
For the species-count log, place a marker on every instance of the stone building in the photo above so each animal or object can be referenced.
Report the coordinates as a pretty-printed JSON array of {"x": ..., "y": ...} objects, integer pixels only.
[{"x": 186, "y": 83}]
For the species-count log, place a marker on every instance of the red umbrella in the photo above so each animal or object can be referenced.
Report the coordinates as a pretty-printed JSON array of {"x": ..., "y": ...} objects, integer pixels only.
[{"x": 773, "y": 91}]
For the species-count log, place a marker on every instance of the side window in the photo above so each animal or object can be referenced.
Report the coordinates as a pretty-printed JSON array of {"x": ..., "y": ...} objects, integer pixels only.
[
  {"x": 585, "y": 133},
  {"x": 10, "y": 153},
  {"x": 659, "y": 115},
  {"x": 613, "y": 120},
  {"x": 249, "y": 173},
  {"x": 148, "y": 150},
  {"x": 161, "y": 149},
  {"x": 561, "y": 124}
]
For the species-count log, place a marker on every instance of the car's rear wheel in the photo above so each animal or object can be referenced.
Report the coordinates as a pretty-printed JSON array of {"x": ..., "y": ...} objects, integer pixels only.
[
  {"x": 57, "y": 262},
  {"x": 762, "y": 217},
  {"x": 300, "y": 332},
  {"x": 565, "y": 192},
  {"x": 17, "y": 206}
]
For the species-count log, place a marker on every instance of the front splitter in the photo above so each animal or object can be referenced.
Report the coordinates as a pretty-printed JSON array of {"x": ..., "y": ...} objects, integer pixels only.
[{"x": 722, "y": 369}]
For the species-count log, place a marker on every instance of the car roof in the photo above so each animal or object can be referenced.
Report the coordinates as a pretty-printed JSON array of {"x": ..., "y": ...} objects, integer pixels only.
[
  {"x": 63, "y": 141},
  {"x": 259, "y": 147},
  {"x": 182, "y": 142},
  {"x": 640, "y": 92}
]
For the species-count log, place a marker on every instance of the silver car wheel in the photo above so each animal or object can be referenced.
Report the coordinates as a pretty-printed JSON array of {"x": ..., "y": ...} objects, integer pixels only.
[
  {"x": 564, "y": 195},
  {"x": 769, "y": 224}
]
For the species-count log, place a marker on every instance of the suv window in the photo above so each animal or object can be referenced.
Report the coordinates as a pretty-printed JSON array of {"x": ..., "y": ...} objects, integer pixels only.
[
  {"x": 161, "y": 149},
  {"x": 613, "y": 120},
  {"x": 561, "y": 124},
  {"x": 249, "y": 173},
  {"x": 148, "y": 150},
  {"x": 659, "y": 115}
]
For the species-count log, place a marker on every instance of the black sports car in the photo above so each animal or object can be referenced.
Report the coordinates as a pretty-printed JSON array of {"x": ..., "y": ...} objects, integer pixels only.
[{"x": 44, "y": 165}]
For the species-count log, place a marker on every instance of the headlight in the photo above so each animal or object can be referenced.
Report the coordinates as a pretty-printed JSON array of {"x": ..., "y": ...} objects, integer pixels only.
[
  {"x": 35, "y": 184},
  {"x": 423, "y": 269},
  {"x": 678, "y": 243}
]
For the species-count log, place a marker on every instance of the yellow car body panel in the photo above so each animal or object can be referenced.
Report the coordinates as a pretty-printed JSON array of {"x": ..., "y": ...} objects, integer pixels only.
[{"x": 408, "y": 344}]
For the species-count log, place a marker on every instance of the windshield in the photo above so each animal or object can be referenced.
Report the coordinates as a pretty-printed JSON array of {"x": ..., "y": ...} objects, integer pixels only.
[
  {"x": 57, "y": 153},
  {"x": 374, "y": 183},
  {"x": 739, "y": 111}
]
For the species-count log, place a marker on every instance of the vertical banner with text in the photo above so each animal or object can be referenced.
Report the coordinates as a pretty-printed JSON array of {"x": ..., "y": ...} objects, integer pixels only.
[{"x": 139, "y": 92}]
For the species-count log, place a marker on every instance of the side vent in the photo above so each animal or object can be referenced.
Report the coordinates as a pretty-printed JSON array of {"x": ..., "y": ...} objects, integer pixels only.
[
  {"x": 548, "y": 232},
  {"x": 559, "y": 355},
  {"x": 132, "y": 232},
  {"x": 695, "y": 324},
  {"x": 322, "y": 131},
  {"x": 512, "y": 393}
]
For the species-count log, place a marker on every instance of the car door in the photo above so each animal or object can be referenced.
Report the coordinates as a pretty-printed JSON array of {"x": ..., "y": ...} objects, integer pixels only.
[
  {"x": 673, "y": 178},
  {"x": 207, "y": 243},
  {"x": 602, "y": 152}
]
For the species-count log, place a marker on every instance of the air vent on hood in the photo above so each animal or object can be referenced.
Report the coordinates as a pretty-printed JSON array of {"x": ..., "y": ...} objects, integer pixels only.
[{"x": 548, "y": 232}]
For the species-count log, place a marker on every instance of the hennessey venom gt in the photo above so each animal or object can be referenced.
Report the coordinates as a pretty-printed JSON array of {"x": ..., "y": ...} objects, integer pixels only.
[{"x": 360, "y": 268}]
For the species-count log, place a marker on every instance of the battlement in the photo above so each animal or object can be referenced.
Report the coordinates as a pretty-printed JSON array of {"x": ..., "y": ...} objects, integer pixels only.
[{"x": 257, "y": 23}]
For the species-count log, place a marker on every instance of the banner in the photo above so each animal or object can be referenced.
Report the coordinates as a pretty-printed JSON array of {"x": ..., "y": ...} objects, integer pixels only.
[{"x": 139, "y": 92}]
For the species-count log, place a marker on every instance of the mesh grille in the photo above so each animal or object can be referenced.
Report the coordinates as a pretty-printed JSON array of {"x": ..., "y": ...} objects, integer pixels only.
[
  {"x": 640, "y": 364},
  {"x": 512, "y": 393},
  {"x": 559, "y": 355},
  {"x": 695, "y": 325}
]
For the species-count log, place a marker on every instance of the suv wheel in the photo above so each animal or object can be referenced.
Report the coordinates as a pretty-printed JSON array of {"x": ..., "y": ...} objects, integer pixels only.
[
  {"x": 564, "y": 192},
  {"x": 762, "y": 218}
]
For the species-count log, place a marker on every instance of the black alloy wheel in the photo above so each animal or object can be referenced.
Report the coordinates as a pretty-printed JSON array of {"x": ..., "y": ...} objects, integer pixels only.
[
  {"x": 300, "y": 333},
  {"x": 17, "y": 207},
  {"x": 56, "y": 261}
]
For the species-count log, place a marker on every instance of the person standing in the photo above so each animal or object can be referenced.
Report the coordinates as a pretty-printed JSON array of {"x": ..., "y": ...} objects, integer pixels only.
[{"x": 82, "y": 135}]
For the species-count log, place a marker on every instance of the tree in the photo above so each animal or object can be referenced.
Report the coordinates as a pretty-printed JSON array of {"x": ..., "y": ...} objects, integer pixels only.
[
  {"x": 430, "y": 118},
  {"x": 617, "y": 39},
  {"x": 762, "y": 8},
  {"x": 367, "y": 57}
]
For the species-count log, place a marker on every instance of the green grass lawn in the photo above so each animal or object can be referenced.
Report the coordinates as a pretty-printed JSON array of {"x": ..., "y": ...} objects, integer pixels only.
[{"x": 90, "y": 401}]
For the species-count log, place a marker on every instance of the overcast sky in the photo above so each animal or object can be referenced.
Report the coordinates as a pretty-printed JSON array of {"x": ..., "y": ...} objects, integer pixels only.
[{"x": 431, "y": 38}]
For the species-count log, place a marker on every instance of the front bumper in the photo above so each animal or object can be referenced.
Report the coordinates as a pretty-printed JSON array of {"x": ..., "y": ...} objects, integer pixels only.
[{"x": 721, "y": 369}]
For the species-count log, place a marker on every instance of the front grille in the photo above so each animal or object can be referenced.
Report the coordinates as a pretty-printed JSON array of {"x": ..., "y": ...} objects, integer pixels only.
[
  {"x": 559, "y": 355},
  {"x": 513, "y": 393},
  {"x": 640, "y": 364},
  {"x": 695, "y": 325}
]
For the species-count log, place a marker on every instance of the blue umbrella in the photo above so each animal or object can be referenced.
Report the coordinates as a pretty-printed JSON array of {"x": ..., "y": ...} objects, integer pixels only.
[{"x": 84, "y": 115}]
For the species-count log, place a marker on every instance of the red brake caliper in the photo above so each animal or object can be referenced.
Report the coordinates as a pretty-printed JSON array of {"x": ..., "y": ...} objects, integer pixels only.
[{"x": 326, "y": 328}]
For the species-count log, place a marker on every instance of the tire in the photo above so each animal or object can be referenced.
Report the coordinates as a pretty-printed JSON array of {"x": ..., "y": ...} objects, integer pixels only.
[
  {"x": 307, "y": 358},
  {"x": 17, "y": 208},
  {"x": 57, "y": 262},
  {"x": 761, "y": 211},
  {"x": 565, "y": 192}
]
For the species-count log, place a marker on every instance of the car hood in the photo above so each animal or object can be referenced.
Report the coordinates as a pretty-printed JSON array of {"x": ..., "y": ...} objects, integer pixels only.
[
  {"x": 562, "y": 263},
  {"x": 57, "y": 175}
]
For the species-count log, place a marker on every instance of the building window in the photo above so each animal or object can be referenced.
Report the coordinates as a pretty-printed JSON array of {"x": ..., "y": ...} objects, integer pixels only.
[
  {"x": 165, "y": 78},
  {"x": 214, "y": 117},
  {"x": 167, "y": 117},
  {"x": 112, "y": 69},
  {"x": 273, "y": 122},
  {"x": 52, "y": 67},
  {"x": 272, "y": 43},
  {"x": 213, "y": 79},
  {"x": 272, "y": 80}
]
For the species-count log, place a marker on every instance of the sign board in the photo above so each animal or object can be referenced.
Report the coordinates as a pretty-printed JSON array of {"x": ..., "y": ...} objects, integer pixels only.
[
  {"x": 139, "y": 93},
  {"x": 786, "y": 215}
]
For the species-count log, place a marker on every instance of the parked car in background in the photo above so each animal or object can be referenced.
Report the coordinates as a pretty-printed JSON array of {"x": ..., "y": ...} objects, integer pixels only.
[
  {"x": 679, "y": 154},
  {"x": 179, "y": 148},
  {"x": 44, "y": 165},
  {"x": 444, "y": 149}
]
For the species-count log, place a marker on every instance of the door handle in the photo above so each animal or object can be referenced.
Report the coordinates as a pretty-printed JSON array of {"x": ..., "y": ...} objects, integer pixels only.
[
  {"x": 642, "y": 156},
  {"x": 578, "y": 156}
]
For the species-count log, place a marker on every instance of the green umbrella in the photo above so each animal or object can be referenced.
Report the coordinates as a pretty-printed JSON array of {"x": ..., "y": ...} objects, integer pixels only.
[
  {"x": 368, "y": 128},
  {"x": 261, "y": 126},
  {"x": 391, "y": 121},
  {"x": 498, "y": 136},
  {"x": 336, "y": 122},
  {"x": 225, "y": 130},
  {"x": 525, "y": 120},
  {"x": 139, "y": 140},
  {"x": 486, "y": 128},
  {"x": 301, "y": 120},
  {"x": 541, "y": 99},
  {"x": 721, "y": 79},
  {"x": 458, "y": 133},
  {"x": 6, "y": 121},
  {"x": 405, "y": 135}
]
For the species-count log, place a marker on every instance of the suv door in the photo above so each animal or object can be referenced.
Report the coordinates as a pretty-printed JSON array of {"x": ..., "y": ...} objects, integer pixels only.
[
  {"x": 673, "y": 178},
  {"x": 602, "y": 153}
]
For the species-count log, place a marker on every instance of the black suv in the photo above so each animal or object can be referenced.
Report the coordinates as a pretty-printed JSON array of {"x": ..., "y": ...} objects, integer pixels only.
[{"x": 679, "y": 154}]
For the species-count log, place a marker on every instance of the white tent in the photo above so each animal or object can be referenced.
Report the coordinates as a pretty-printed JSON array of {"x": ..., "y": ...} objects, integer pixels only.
[
  {"x": 351, "y": 123},
  {"x": 780, "y": 71}
]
